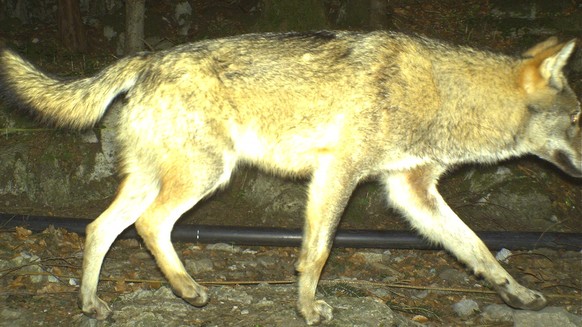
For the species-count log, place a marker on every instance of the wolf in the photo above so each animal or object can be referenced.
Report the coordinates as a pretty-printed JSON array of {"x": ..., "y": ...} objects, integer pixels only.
[{"x": 333, "y": 106}]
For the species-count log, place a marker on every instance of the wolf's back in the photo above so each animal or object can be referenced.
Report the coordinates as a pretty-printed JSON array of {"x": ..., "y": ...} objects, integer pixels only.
[{"x": 75, "y": 104}]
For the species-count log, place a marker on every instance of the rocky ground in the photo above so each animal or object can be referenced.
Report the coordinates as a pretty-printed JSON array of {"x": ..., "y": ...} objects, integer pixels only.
[{"x": 254, "y": 286}]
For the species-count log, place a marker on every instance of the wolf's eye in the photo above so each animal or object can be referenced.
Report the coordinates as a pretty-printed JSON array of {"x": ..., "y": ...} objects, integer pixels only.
[{"x": 575, "y": 117}]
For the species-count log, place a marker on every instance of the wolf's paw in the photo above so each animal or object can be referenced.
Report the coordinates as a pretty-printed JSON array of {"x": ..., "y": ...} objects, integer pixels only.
[
  {"x": 317, "y": 312},
  {"x": 521, "y": 297},
  {"x": 95, "y": 308},
  {"x": 195, "y": 295}
]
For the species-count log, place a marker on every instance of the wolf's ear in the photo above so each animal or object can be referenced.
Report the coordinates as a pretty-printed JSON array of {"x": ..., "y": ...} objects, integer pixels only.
[
  {"x": 551, "y": 67},
  {"x": 545, "y": 68},
  {"x": 536, "y": 49}
]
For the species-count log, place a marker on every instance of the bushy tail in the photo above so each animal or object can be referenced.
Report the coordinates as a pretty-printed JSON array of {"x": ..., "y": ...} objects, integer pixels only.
[{"x": 75, "y": 104}]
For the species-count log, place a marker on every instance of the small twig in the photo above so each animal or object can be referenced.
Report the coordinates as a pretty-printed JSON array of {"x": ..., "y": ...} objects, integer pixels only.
[
  {"x": 513, "y": 255},
  {"x": 565, "y": 286},
  {"x": 288, "y": 282},
  {"x": 7, "y": 131}
]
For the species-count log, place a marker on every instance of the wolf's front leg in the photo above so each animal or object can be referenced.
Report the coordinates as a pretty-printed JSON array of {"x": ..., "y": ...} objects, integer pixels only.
[
  {"x": 415, "y": 194},
  {"x": 329, "y": 192}
]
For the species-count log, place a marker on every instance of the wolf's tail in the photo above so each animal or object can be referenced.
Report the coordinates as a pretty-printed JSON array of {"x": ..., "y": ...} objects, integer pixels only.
[{"x": 75, "y": 104}]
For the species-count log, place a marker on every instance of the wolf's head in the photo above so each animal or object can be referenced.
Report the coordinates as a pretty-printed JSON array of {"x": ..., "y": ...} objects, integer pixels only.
[{"x": 553, "y": 131}]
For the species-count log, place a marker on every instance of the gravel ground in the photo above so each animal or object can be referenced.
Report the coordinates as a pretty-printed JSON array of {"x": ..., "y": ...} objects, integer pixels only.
[{"x": 254, "y": 286}]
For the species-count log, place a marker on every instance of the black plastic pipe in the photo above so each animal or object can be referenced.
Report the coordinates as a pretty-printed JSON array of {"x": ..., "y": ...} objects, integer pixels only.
[{"x": 292, "y": 237}]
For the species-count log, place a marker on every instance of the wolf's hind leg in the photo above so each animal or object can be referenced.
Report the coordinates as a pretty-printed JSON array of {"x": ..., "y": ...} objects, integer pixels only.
[
  {"x": 184, "y": 183},
  {"x": 415, "y": 194},
  {"x": 134, "y": 195}
]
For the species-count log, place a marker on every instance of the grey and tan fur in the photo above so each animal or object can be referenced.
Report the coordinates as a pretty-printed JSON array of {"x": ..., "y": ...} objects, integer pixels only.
[{"x": 338, "y": 107}]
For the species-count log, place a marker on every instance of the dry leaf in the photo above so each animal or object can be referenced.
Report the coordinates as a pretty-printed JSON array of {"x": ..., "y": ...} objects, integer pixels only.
[
  {"x": 54, "y": 288},
  {"x": 120, "y": 285},
  {"x": 420, "y": 318},
  {"x": 22, "y": 233},
  {"x": 19, "y": 282}
]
